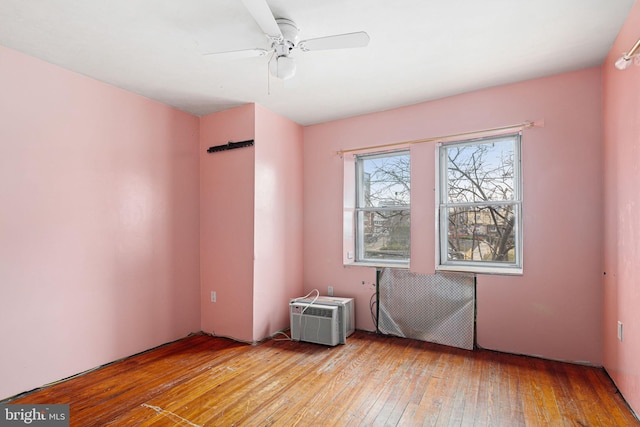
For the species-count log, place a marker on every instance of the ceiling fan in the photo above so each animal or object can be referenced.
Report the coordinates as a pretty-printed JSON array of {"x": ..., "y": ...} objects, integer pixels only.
[{"x": 284, "y": 36}]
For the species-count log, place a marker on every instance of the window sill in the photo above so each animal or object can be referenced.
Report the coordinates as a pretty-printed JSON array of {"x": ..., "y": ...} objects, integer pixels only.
[
  {"x": 377, "y": 264},
  {"x": 507, "y": 271}
]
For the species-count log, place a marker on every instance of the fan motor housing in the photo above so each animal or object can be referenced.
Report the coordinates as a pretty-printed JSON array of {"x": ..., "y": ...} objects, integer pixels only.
[{"x": 290, "y": 31}]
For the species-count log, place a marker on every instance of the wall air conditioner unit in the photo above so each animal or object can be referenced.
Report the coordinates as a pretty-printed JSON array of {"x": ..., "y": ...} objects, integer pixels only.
[
  {"x": 314, "y": 323},
  {"x": 346, "y": 312}
]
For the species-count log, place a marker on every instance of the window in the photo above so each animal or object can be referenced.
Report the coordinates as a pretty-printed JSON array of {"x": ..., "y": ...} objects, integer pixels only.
[
  {"x": 382, "y": 209},
  {"x": 480, "y": 205}
]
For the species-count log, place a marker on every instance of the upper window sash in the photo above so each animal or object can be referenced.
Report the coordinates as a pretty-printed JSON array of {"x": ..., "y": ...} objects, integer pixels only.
[
  {"x": 383, "y": 180},
  {"x": 494, "y": 183}
]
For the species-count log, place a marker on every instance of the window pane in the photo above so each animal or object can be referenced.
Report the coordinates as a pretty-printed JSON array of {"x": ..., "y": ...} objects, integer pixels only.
[
  {"x": 481, "y": 172},
  {"x": 385, "y": 234},
  {"x": 385, "y": 180},
  {"x": 482, "y": 233}
]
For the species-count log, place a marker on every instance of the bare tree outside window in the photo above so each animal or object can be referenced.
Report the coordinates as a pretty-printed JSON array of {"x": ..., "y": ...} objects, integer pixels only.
[
  {"x": 480, "y": 201},
  {"x": 383, "y": 207}
]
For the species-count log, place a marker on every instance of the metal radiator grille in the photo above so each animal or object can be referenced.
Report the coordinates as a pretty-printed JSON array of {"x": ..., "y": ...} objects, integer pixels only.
[{"x": 438, "y": 308}]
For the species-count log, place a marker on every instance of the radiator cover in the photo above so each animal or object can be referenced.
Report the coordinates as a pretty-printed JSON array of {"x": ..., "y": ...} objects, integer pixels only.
[{"x": 438, "y": 308}]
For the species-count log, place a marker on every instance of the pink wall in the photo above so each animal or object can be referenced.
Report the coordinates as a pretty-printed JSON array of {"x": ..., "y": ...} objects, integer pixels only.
[
  {"x": 251, "y": 222},
  {"x": 98, "y": 225},
  {"x": 226, "y": 223},
  {"x": 554, "y": 309},
  {"x": 278, "y": 221},
  {"x": 621, "y": 117}
]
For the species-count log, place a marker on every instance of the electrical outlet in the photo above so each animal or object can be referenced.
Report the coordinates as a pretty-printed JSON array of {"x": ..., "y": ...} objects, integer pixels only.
[
  {"x": 620, "y": 330},
  {"x": 330, "y": 291},
  {"x": 213, "y": 296}
]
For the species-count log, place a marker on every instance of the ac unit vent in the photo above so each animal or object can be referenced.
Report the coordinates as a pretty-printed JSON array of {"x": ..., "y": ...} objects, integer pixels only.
[
  {"x": 319, "y": 312},
  {"x": 314, "y": 323}
]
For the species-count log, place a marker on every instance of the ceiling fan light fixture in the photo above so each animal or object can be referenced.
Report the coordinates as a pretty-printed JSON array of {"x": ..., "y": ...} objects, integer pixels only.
[
  {"x": 282, "y": 67},
  {"x": 284, "y": 37}
]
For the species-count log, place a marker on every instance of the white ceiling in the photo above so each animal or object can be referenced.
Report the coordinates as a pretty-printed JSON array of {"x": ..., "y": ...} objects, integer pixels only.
[{"x": 420, "y": 49}]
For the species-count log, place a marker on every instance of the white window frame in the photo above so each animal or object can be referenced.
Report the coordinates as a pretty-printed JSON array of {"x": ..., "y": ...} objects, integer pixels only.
[
  {"x": 442, "y": 206},
  {"x": 358, "y": 234}
]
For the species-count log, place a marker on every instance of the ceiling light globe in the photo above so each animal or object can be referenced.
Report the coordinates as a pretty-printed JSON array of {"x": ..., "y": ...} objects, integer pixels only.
[{"x": 282, "y": 67}]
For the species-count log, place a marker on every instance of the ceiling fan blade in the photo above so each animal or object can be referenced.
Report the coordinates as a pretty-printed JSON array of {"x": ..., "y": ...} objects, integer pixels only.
[
  {"x": 340, "y": 41},
  {"x": 263, "y": 16},
  {"x": 237, "y": 54}
]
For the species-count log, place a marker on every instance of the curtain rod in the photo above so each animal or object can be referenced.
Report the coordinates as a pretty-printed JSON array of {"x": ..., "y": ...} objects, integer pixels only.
[{"x": 524, "y": 125}]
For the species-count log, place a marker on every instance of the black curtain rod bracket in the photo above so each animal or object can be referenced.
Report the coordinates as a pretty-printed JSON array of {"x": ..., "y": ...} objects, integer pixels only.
[{"x": 230, "y": 146}]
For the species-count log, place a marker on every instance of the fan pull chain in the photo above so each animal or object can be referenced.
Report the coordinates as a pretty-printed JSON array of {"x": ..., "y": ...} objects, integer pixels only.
[{"x": 269, "y": 74}]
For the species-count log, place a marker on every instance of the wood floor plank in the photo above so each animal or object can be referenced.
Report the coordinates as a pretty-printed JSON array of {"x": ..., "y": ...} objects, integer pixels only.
[
  {"x": 373, "y": 376},
  {"x": 290, "y": 387},
  {"x": 473, "y": 405},
  {"x": 562, "y": 388},
  {"x": 489, "y": 391},
  {"x": 458, "y": 374},
  {"x": 345, "y": 377},
  {"x": 431, "y": 369},
  {"x": 245, "y": 390},
  {"x": 434, "y": 379},
  {"x": 546, "y": 393},
  {"x": 501, "y": 408},
  {"x": 400, "y": 392},
  {"x": 394, "y": 373},
  {"x": 605, "y": 390},
  {"x": 381, "y": 350},
  {"x": 339, "y": 382},
  {"x": 371, "y": 380},
  {"x": 516, "y": 410}
]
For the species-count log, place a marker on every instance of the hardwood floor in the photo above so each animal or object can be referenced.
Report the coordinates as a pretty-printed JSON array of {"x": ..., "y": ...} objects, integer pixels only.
[{"x": 372, "y": 380}]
